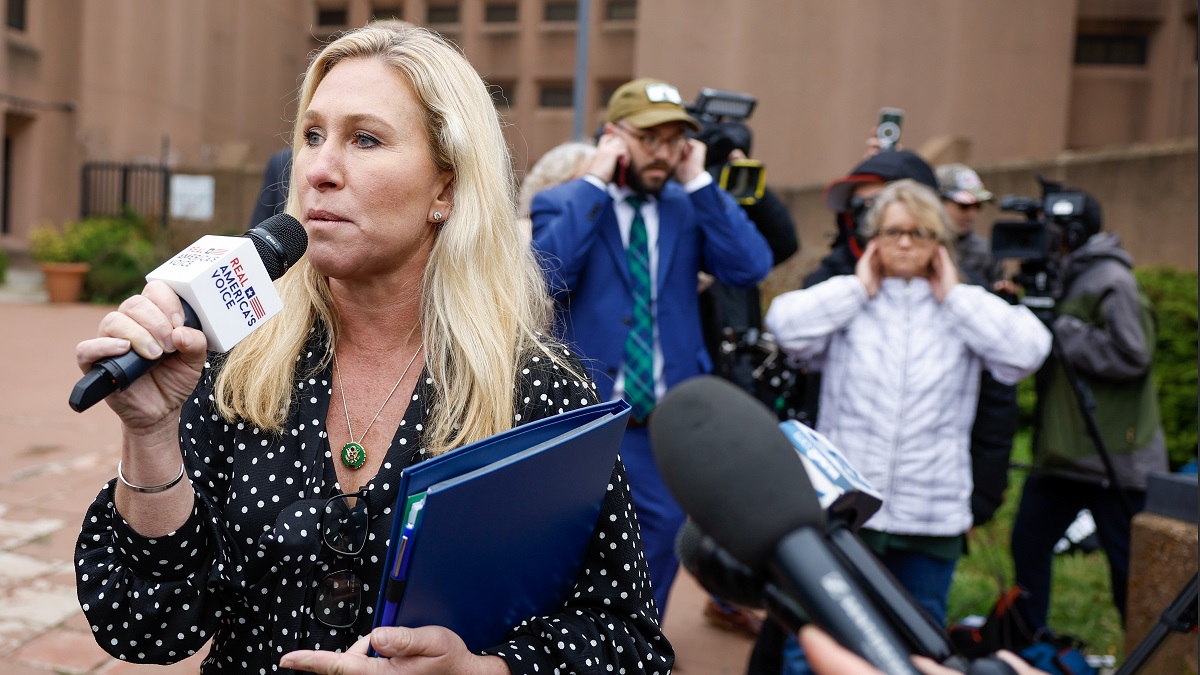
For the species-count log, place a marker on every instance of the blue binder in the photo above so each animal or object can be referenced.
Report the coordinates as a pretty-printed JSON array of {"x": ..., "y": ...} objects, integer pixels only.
[{"x": 502, "y": 525}]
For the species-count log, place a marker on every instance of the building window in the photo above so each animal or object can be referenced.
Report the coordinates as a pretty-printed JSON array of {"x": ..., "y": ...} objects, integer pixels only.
[
  {"x": 620, "y": 10},
  {"x": 1111, "y": 50},
  {"x": 556, "y": 96},
  {"x": 16, "y": 14},
  {"x": 503, "y": 93},
  {"x": 387, "y": 12},
  {"x": 443, "y": 14},
  {"x": 503, "y": 12},
  {"x": 607, "y": 89},
  {"x": 332, "y": 16},
  {"x": 560, "y": 11}
]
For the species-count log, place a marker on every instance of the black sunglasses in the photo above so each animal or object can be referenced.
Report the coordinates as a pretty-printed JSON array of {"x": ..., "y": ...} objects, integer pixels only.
[{"x": 345, "y": 522}]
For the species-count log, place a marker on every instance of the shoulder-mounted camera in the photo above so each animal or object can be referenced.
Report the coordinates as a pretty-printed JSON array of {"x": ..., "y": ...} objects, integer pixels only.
[
  {"x": 722, "y": 115},
  {"x": 1062, "y": 220}
]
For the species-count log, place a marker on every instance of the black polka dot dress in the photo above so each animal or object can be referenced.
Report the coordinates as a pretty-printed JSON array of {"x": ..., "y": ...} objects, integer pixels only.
[{"x": 243, "y": 570}]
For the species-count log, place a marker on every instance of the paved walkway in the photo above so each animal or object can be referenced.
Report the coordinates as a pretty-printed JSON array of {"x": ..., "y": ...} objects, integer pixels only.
[{"x": 53, "y": 462}]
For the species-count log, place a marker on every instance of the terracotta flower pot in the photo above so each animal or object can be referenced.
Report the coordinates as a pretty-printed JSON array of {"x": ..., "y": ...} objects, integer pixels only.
[{"x": 64, "y": 281}]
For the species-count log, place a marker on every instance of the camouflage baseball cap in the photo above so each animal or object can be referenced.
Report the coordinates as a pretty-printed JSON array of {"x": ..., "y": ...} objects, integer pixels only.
[
  {"x": 959, "y": 183},
  {"x": 647, "y": 102}
]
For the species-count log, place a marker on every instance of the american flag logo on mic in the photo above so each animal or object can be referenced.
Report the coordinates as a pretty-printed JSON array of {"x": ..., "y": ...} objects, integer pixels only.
[{"x": 256, "y": 305}]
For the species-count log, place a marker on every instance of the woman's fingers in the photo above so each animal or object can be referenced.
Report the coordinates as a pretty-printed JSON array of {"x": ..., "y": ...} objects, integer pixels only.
[{"x": 89, "y": 352}]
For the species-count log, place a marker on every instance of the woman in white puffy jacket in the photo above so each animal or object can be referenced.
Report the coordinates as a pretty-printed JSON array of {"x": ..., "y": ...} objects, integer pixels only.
[{"x": 900, "y": 345}]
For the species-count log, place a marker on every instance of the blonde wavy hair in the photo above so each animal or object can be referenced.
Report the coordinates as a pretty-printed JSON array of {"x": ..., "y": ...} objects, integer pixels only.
[
  {"x": 921, "y": 201},
  {"x": 483, "y": 297},
  {"x": 558, "y": 165}
]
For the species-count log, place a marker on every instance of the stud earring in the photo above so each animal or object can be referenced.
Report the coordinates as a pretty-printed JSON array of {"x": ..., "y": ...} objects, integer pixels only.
[{"x": 437, "y": 216}]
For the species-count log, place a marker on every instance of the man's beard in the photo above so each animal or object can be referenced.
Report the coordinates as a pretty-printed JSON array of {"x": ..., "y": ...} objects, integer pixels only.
[{"x": 633, "y": 179}]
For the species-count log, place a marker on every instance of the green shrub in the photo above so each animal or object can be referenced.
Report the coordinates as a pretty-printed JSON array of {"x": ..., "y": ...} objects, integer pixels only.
[
  {"x": 1174, "y": 295},
  {"x": 47, "y": 244},
  {"x": 120, "y": 271},
  {"x": 3, "y": 265},
  {"x": 120, "y": 249}
]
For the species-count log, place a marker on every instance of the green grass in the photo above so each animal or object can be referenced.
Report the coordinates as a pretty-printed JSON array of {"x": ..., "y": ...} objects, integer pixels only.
[{"x": 1080, "y": 598}]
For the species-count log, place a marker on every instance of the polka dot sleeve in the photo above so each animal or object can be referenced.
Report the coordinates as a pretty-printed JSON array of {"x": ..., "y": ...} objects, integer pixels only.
[
  {"x": 609, "y": 623},
  {"x": 148, "y": 600}
]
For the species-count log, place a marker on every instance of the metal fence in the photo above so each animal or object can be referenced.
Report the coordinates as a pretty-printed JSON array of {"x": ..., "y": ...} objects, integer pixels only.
[{"x": 109, "y": 187}]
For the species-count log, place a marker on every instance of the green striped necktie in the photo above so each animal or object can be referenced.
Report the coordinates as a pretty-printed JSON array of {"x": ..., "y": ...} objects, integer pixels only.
[{"x": 639, "y": 344}]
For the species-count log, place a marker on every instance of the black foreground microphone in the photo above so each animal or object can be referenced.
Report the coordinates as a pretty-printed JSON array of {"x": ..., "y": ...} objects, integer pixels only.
[
  {"x": 226, "y": 290},
  {"x": 849, "y": 501},
  {"x": 722, "y": 574},
  {"x": 725, "y": 576},
  {"x": 725, "y": 460}
]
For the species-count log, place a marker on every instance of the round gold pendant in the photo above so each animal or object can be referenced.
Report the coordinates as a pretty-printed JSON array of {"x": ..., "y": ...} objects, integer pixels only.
[{"x": 353, "y": 455}]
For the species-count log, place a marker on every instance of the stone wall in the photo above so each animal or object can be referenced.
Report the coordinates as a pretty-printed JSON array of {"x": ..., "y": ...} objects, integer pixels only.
[{"x": 1162, "y": 561}]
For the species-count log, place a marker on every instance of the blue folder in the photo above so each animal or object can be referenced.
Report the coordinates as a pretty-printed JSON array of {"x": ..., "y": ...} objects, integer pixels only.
[{"x": 502, "y": 526}]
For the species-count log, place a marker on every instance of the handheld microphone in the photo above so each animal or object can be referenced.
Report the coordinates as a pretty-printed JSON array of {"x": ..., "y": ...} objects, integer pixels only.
[
  {"x": 724, "y": 575},
  {"x": 225, "y": 286},
  {"x": 711, "y": 439},
  {"x": 849, "y": 501}
]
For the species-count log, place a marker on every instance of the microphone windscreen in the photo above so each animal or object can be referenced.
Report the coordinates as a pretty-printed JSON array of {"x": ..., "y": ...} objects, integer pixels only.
[
  {"x": 724, "y": 458},
  {"x": 280, "y": 242},
  {"x": 716, "y": 570}
]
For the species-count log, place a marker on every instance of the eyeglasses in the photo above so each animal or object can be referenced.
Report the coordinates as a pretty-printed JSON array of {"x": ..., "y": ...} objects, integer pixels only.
[
  {"x": 652, "y": 143},
  {"x": 895, "y": 233},
  {"x": 345, "y": 522}
]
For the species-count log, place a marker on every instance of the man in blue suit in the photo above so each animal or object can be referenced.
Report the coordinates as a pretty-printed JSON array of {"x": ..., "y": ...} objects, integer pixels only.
[{"x": 622, "y": 247}]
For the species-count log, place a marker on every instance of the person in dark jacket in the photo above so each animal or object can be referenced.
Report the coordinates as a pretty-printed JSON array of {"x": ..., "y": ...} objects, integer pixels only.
[
  {"x": 1105, "y": 328},
  {"x": 963, "y": 196},
  {"x": 726, "y": 307},
  {"x": 272, "y": 197}
]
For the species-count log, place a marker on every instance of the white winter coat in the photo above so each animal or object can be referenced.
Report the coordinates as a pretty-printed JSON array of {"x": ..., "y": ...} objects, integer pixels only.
[{"x": 901, "y": 382}]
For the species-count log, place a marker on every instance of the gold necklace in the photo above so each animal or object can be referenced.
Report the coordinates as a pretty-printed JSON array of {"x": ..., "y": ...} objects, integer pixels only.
[{"x": 354, "y": 454}]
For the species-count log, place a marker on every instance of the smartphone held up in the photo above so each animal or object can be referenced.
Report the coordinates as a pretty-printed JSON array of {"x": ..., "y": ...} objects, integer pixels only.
[{"x": 888, "y": 128}]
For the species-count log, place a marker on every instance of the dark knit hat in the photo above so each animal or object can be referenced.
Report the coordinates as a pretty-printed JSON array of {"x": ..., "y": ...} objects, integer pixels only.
[{"x": 885, "y": 167}]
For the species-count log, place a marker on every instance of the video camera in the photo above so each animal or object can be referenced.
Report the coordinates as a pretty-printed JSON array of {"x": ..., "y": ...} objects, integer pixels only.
[
  {"x": 1038, "y": 241},
  {"x": 721, "y": 115}
]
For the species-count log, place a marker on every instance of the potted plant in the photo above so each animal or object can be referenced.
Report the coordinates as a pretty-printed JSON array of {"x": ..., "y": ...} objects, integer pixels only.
[
  {"x": 103, "y": 259},
  {"x": 61, "y": 259}
]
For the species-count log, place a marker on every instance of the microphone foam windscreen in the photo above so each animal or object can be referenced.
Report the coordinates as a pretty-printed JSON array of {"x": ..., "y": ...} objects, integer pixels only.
[
  {"x": 280, "y": 241},
  {"x": 725, "y": 460},
  {"x": 717, "y": 570},
  {"x": 687, "y": 544}
]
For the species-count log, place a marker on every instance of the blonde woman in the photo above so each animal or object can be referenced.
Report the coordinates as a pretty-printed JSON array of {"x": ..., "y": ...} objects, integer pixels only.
[
  {"x": 900, "y": 344},
  {"x": 415, "y": 323},
  {"x": 563, "y": 162}
]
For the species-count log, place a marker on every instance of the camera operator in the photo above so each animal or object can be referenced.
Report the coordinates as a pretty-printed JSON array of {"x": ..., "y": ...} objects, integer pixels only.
[
  {"x": 729, "y": 310},
  {"x": 725, "y": 308},
  {"x": 1105, "y": 331}
]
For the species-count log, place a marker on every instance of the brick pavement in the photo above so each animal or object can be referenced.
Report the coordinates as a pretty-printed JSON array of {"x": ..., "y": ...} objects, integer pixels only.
[{"x": 54, "y": 461}]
